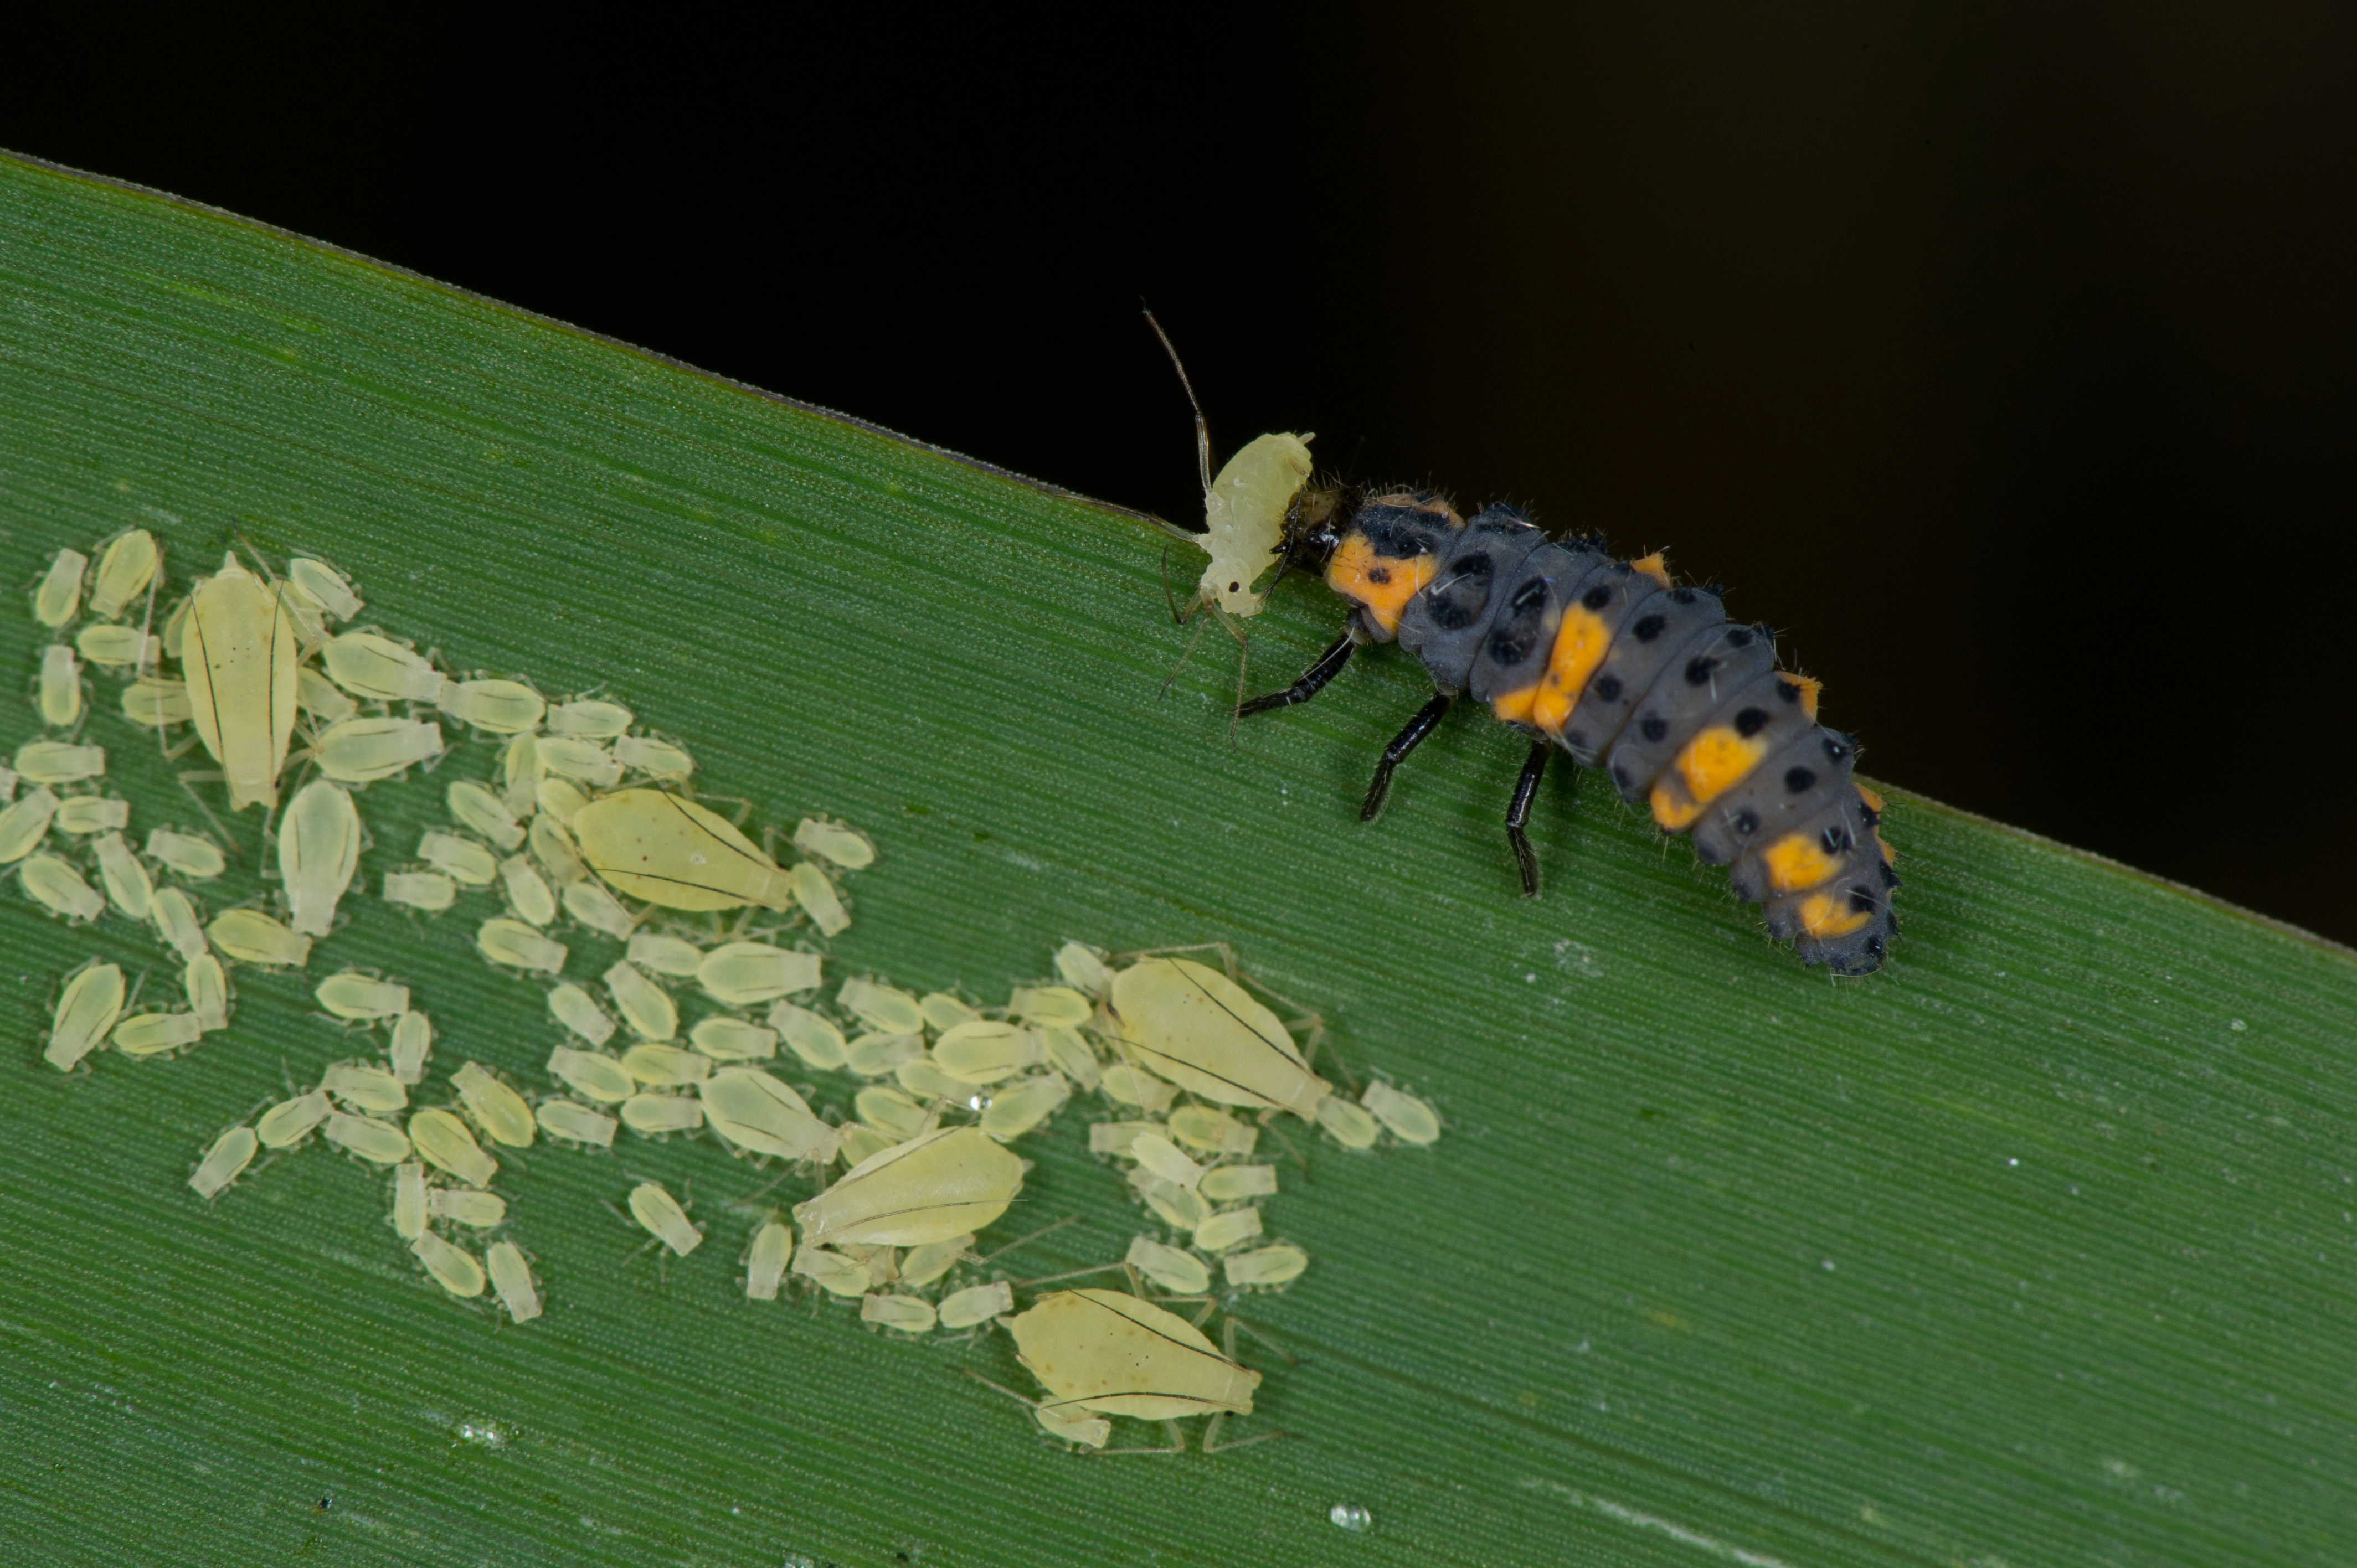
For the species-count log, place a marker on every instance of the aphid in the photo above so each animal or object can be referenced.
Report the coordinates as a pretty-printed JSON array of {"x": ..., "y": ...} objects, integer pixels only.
[
  {"x": 734, "y": 1040},
  {"x": 646, "y": 1007},
  {"x": 1212, "y": 1130},
  {"x": 903, "y": 1314},
  {"x": 354, "y": 995},
  {"x": 152, "y": 1034},
  {"x": 1224, "y": 1229},
  {"x": 516, "y": 945},
  {"x": 660, "y": 1212},
  {"x": 593, "y": 1074},
  {"x": 24, "y": 823},
  {"x": 198, "y": 858},
  {"x": 1116, "y": 1137},
  {"x": 1083, "y": 969},
  {"x": 859, "y": 1140},
  {"x": 252, "y": 937},
  {"x": 814, "y": 1039},
  {"x": 322, "y": 698},
  {"x": 379, "y": 669},
  {"x": 923, "y": 1265},
  {"x": 86, "y": 1011},
  {"x": 323, "y": 585},
  {"x": 476, "y": 808},
  {"x": 59, "y": 595},
  {"x": 427, "y": 890},
  {"x": 932, "y": 1187},
  {"x": 665, "y": 1066},
  {"x": 461, "y": 859},
  {"x": 873, "y": 1056},
  {"x": 576, "y": 1123},
  {"x": 1204, "y": 1032},
  {"x": 890, "y": 1112},
  {"x": 360, "y": 1087},
  {"x": 528, "y": 895},
  {"x": 497, "y": 1109},
  {"x": 117, "y": 646},
  {"x": 1351, "y": 1125},
  {"x": 412, "y": 1042},
  {"x": 239, "y": 656},
  {"x": 652, "y": 1116},
  {"x": 481, "y": 1211},
  {"x": 318, "y": 849},
  {"x": 833, "y": 1272},
  {"x": 926, "y": 1081},
  {"x": 655, "y": 758},
  {"x": 818, "y": 897},
  {"x": 363, "y": 750},
  {"x": 588, "y": 719},
  {"x": 883, "y": 1008},
  {"x": 1069, "y": 1053},
  {"x": 60, "y": 688},
  {"x": 1180, "y": 1207},
  {"x": 519, "y": 772},
  {"x": 579, "y": 1011},
  {"x": 846, "y": 847},
  {"x": 762, "y": 1116},
  {"x": 225, "y": 1161},
  {"x": 1265, "y": 1265},
  {"x": 445, "y": 1141},
  {"x": 1130, "y": 1085},
  {"x": 589, "y": 903},
  {"x": 1051, "y": 1006},
  {"x": 409, "y": 1199},
  {"x": 1410, "y": 1120},
  {"x": 561, "y": 799},
  {"x": 568, "y": 756},
  {"x": 453, "y": 1267},
  {"x": 59, "y": 762},
  {"x": 554, "y": 851},
  {"x": 290, "y": 1122},
  {"x": 511, "y": 1277},
  {"x": 1227, "y": 1183},
  {"x": 1107, "y": 1352},
  {"x": 1628, "y": 673},
  {"x": 743, "y": 974},
  {"x": 670, "y": 851},
  {"x": 124, "y": 573},
  {"x": 157, "y": 704},
  {"x": 943, "y": 1011},
  {"x": 1174, "y": 1269},
  {"x": 983, "y": 1051},
  {"x": 128, "y": 885},
  {"x": 1163, "y": 1157},
  {"x": 380, "y": 1143},
  {"x": 175, "y": 920},
  {"x": 665, "y": 955},
  {"x": 764, "y": 1265},
  {"x": 58, "y": 887},
  {"x": 497, "y": 707},
  {"x": 977, "y": 1304}
]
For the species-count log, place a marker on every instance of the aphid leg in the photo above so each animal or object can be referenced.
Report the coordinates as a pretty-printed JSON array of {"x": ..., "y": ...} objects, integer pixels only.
[
  {"x": 1069, "y": 1274},
  {"x": 1212, "y": 1443},
  {"x": 1243, "y": 663},
  {"x": 1227, "y": 1335},
  {"x": 1313, "y": 680},
  {"x": 189, "y": 781},
  {"x": 1518, "y": 812},
  {"x": 1188, "y": 653},
  {"x": 1270, "y": 1124},
  {"x": 1171, "y": 597},
  {"x": 1177, "y": 1446},
  {"x": 1027, "y": 1240},
  {"x": 1428, "y": 718}
]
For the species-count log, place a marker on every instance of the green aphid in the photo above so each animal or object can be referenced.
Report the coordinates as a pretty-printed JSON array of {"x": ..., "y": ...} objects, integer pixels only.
[
  {"x": 225, "y": 1161},
  {"x": 252, "y": 937},
  {"x": 86, "y": 1013},
  {"x": 58, "y": 887},
  {"x": 660, "y": 1212}
]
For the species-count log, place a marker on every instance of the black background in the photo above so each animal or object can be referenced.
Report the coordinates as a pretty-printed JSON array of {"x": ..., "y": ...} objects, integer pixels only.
[{"x": 1999, "y": 354}]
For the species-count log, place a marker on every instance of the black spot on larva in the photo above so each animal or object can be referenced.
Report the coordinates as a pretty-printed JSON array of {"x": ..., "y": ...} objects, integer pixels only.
[
  {"x": 1621, "y": 777},
  {"x": 1747, "y": 823},
  {"x": 1575, "y": 738},
  {"x": 1699, "y": 671},
  {"x": 1608, "y": 688},
  {"x": 1789, "y": 689},
  {"x": 1835, "y": 749},
  {"x": 1380, "y": 574},
  {"x": 1873, "y": 817},
  {"x": 1529, "y": 594},
  {"x": 1861, "y": 900},
  {"x": 1889, "y": 878},
  {"x": 1738, "y": 638},
  {"x": 1799, "y": 780},
  {"x": 1874, "y": 944},
  {"x": 1682, "y": 596},
  {"x": 1649, "y": 627},
  {"x": 1597, "y": 597},
  {"x": 1653, "y": 728},
  {"x": 1751, "y": 722},
  {"x": 1836, "y": 839}
]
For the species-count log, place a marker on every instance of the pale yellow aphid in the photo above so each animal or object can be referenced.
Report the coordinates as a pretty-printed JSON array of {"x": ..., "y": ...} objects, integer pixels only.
[
  {"x": 655, "y": 758},
  {"x": 1226, "y": 1228},
  {"x": 873, "y": 1056},
  {"x": 814, "y": 1039},
  {"x": 60, "y": 688},
  {"x": 652, "y": 1116},
  {"x": 670, "y": 851},
  {"x": 412, "y": 1042},
  {"x": 977, "y": 1304},
  {"x": 152, "y": 1034},
  {"x": 576, "y": 1123},
  {"x": 902, "y": 1314},
  {"x": 1227, "y": 1183},
  {"x": 1051, "y": 1006},
  {"x": 1108, "y": 1352},
  {"x": 1073, "y": 1055},
  {"x": 1090, "y": 1431},
  {"x": 476, "y": 808},
  {"x": 208, "y": 990},
  {"x": 883, "y": 1008},
  {"x": 1128, "y": 1085},
  {"x": 427, "y": 890},
  {"x": 128, "y": 887},
  {"x": 496, "y": 707},
  {"x": 762, "y": 1115},
  {"x": 252, "y": 937},
  {"x": 175, "y": 920},
  {"x": 935, "y": 1186},
  {"x": 1204, "y": 1032},
  {"x": 1411, "y": 1121},
  {"x": 818, "y": 897},
  {"x": 1174, "y": 1269},
  {"x": 1351, "y": 1125},
  {"x": 561, "y": 799},
  {"x": 665, "y": 955},
  {"x": 157, "y": 704},
  {"x": 59, "y": 762},
  {"x": 445, "y": 1141},
  {"x": 926, "y": 1081},
  {"x": 734, "y": 1040},
  {"x": 24, "y": 823},
  {"x": 195, "y": 857},
  {"x": 409, "y": 1199},
  {"x": 1212, "y": 1130},
  {"x": 322, "y": 698},
  {"x": 352, "y": 994},
  {"x": 584, "y": 761},
  {"x": 1082, "y": 968},
  {"x": 225, "y": 1161},
  {"x": 1164, "y": 1158},
  {"x": 579, "y": 1011},
  {"x": 1243, "y": 518},
  {"x": 666, "y": 1067},
  {"x": 117, "y": 646},
  {"x": 1016, "y": 1107},
  {"x": 593, "y": 1075},
  {"x": 923, "y": 1265},
  {"x": 462, "y": 859},
  {"x": 318, "y": 849},
  {"x": 497, "y": 1109},
  {"x": 290, "y": 1122},
  {"x": 1116, "y": 1137},
  {"x": 481, "y": 1211},
  {"x": 742, "y": 974},
  {"x": 1175, "y": 1206},
  {"x": 1265, "y": 1265},
  {"x": 528, "y": 894},
  {"x": 368, "y": 665},
  {"x": 361, "y": 1086},
  {"x": 646, "y": 1007},
  {"x": 943, "y": 1011},
  {"x": 124, "y": 573},
  {"x": 831, "y": 1271},
  {"x": 983, "y": 1051},
  {"x": 363, "y": 750},
  {"x": 239, "y": 657},
  {"x": 58, "y": 887},
  {"x": 660, "y": 1212},
  {"x": 555, "y": 852},
  {"x": 380, "y": 1143},
  {"x": 86, "y": 1011},
  {"x": 860, "y": 1141},
  {"x": 516, "y": 945},
  {"x": 519, "y": 773},
  {"x": 589, "y": 903},
  {"x": 588, "y": 719},
  {"x": 846, "y": 847},
  {"x": 764, "y": 1265},
  {"x": 324, "y": 586},
  {"x": 511, "y": 1277},
  {"x": 59, "y": 595},
  {"x": 453, "y": 1267}
]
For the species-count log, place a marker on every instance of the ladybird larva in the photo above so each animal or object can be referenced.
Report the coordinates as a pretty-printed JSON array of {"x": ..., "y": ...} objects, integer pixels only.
[
  {"x": 511, "y": 1277},
  {"x": 86, "y": 1013},
  {"x": 660, "y": 1212},
  {"x": 225, "y": 1161}
]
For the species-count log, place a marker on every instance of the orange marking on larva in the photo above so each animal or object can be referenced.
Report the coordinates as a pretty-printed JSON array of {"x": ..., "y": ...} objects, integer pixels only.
[
  {"x": 1795, "y": 861},
  {"x": 1653, "y": 566},
  {"x": 1823, "y": 916},
  {"x": 1382, "y": 584},
  {"x": 1872, "y": 801},
  {"x": 1810, "y": 687},
  {"x": 1889, "y": 855},
  {"x": 1514, "y": 708},
  {"x": 1672, "y": 809},
  {"x": 1717, "y": 760},
  {"x": 1581, "y": 642}
]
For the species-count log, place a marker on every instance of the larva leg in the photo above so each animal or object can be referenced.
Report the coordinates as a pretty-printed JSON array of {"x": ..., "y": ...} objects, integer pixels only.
[
  {"x": 1428, "y": 718},
  {"x": 1313, "y": 680},
  {"x": 1518, "y": 812}
]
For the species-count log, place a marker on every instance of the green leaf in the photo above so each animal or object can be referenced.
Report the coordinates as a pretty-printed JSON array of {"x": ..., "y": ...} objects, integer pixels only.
[{"x": 2035, "y": 1248}]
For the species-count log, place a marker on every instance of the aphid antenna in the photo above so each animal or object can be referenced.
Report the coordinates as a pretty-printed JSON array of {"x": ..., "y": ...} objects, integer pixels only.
[
  {"x": 1027, "y": 1240},
  {"x": 1269, "y": 1125},
  {"x": 189, "y": 781},
  {"x": 1067, "y": 1274},
  {"x": 1177, "y": 1446},
  {"x": 1227, "y": 955},
  {"x": 1202, "y": 427},
  {"x": 1212, "y": 1443},
  {"x": 1228, "y": 1337}
]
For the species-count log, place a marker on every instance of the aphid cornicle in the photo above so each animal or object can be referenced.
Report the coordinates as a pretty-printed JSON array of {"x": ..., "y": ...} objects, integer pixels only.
[{"x": 1607, "y": 660}]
